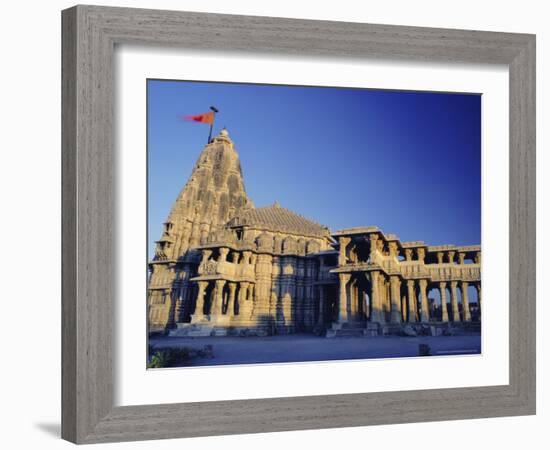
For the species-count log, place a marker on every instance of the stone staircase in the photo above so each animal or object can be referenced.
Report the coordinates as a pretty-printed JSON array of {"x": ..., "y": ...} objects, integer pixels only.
[{"x": 352, "y": 329}]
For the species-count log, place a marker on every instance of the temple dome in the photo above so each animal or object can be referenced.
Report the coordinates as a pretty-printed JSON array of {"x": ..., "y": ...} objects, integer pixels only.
[{"x": 275, "y": 218}]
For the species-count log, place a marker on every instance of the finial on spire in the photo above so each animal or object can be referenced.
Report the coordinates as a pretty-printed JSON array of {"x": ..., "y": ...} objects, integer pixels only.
[
  {"x": 276, "y": 204},
  {"x": 224, "y": 132}
]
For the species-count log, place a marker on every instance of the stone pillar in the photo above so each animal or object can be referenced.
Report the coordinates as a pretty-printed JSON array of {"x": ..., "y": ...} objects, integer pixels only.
[
  {"x": 244, "y": 304},
  {"x": 250, "y": 296},
  {"x": 425, "y": 313},
  {"x": 353, "y": 298},
  {"x": 206, "y": 253},
  {"x": 443, "y": 295},
  {"x": 395, "y": 288},
  {"x": 440, "y": 257},
  {"x": 264, "y": 268},
  {"x": 343, "y": 302},
  {"x": 223, "y": 254},
  {"x": 408, "y": 254},
  {"x": 412, "y": 300},
  {"x": 461, "y": 258},
  {"x": 451, "y": 256},
  {"x": 385, "y": 285},
  {"x": 377, "y": 311},
  {"x": 218, "y": 298},
  {"x": 231, "y": 301},
  {"x": 454, "y": 302},
  {"x": 321, "y": 318},
  {"x": 344, "y": 241},
  {"x": 393, "y": 249},
  {"x": 199, "y": 307},
  {"x": 246, "y": 257},
  {"x": 373, "y": 247},
  {"x": 404, "y": 307},
  {"x": 466, "y": 317}
]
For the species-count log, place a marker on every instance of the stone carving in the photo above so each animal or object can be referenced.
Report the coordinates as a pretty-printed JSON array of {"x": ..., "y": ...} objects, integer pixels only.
[{"x": 208, "y": 268}]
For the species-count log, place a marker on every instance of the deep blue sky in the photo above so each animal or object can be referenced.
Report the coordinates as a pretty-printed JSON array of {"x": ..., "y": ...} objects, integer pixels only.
[{"x": 407, "y": 162}]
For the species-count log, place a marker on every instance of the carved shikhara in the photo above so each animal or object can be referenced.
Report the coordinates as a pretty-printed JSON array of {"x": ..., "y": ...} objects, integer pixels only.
[
  {"x": 224, "y": 267},
  {"x": 90, "y": 34}
]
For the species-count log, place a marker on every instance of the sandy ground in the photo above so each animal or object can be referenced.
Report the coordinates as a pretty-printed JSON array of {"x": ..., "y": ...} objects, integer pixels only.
[{"x": 272, "y": 349}]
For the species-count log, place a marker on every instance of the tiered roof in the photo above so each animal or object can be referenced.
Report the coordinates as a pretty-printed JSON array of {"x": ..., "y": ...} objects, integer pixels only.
[{"x": 275, "y": 218}]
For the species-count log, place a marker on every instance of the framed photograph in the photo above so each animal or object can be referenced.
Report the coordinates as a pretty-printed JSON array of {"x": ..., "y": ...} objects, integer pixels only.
[{"x": 291, "y": 224}]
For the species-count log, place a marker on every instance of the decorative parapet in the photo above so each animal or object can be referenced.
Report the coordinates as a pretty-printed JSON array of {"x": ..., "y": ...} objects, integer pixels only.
[
  {"x": 416, "y": 270},
  {"x": 413, "y": 244},
  {"x": 452, "y": 272},
  {"x": 441, "y": 248},
  {"x": 469, "y": 248}
]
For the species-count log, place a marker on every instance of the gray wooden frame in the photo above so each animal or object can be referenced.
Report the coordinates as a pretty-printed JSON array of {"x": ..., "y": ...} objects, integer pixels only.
[{"x": 89, "y": 37}]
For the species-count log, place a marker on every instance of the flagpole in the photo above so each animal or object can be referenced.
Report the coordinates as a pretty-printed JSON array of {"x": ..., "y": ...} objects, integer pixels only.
[{"x": 214, "y": 110}]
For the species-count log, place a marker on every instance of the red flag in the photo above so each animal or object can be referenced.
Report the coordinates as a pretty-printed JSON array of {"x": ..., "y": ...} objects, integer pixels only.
[{"x": 201, "y": 118}]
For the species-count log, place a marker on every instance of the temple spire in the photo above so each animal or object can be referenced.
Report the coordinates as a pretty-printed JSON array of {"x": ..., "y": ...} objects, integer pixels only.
[{"x": 213, "y": 194}]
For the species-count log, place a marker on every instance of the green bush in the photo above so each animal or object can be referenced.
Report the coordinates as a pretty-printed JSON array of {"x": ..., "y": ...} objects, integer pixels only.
[{"x": 168, "y": 357}]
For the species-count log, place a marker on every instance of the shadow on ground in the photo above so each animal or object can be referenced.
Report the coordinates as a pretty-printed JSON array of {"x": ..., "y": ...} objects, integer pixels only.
[{"x": 53, "y": 429}]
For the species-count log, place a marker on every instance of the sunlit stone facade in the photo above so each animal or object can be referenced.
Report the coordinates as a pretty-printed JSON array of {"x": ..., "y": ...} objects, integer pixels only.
[{"x": 224, "y": 267}]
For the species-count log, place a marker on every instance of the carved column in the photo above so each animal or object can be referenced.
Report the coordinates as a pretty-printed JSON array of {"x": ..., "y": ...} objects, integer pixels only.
[
  {"x": 466, "y": 317},
  {"x": 377, "y": 314},
  {"x": 242, "y": 299},
  {"x": 443, "y": 295},
  {"x": 393, "y": 249},
  {"x": 404, "y": 307},
  {"x": 218, "y": 298},
  {"x": 247, "y": 255},
  {"x": 440, "y": 257},
  {"x": 421, "y": 253},
  {"x": 451, "y": 256},
  {"x": 199, "y": 307},
  {"x": 206, "y": 253},
  {"x": 223, "y": 254},
  {"x": 454, "y": 302},
  {"x": 425, "y": 313},
  {"x": 395, "y": 288},
  {"x": 231, "y": 302},
  {"x": 344, "y": 241},
  {"x": 264, "y": 267},
  {"x": 343, "y": 303},
  {"x": 408, "y": 254},
  {"x": 373, "y": 247},
  {"x": 461, "y": 258},
  {"x": 412, "y": 300}
]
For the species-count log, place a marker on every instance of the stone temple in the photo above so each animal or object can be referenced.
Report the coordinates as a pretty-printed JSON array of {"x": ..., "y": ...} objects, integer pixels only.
[{"x": 224, "y": 267}]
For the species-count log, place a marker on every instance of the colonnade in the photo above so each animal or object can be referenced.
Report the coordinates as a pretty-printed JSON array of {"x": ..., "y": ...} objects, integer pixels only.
[
  {"x": 393, "y": 299},
  {"x": 222, "y": 298}
]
